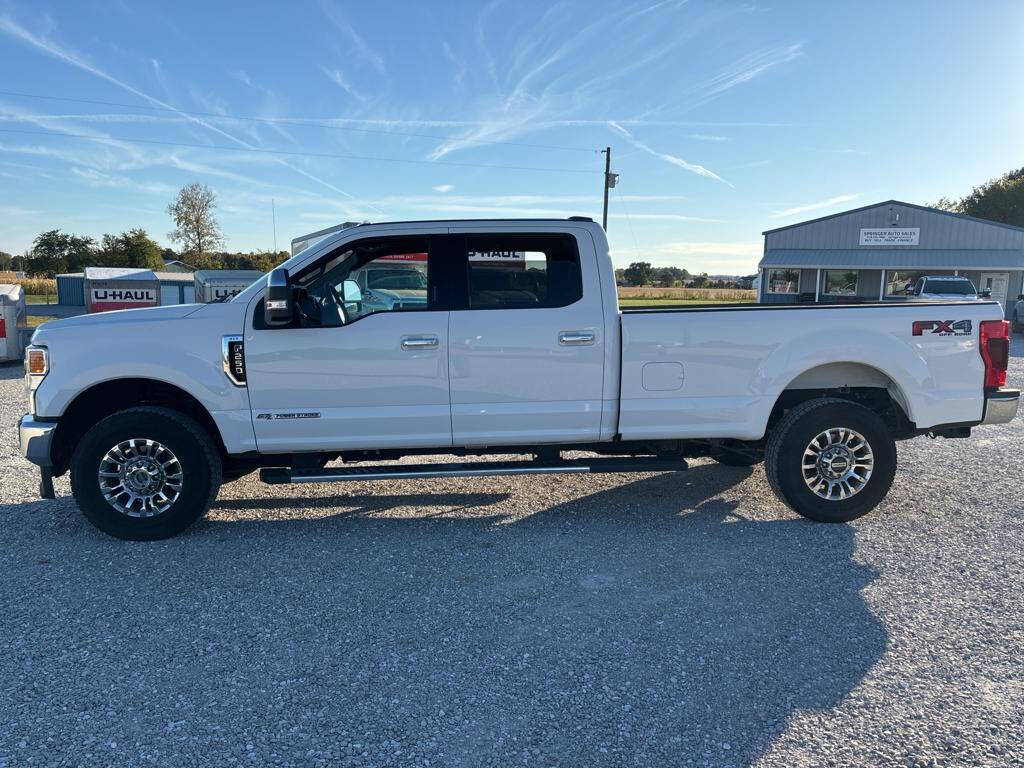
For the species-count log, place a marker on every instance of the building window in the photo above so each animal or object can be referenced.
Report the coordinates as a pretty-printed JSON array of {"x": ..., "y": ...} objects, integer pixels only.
[
  {"x": 901, "y": 282},
  {"x": 840, "y": 282},
  {"x": 783, "y": 280}
]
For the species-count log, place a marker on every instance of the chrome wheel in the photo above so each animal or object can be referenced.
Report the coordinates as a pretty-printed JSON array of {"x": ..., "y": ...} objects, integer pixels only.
[
  {"x": 837, "y": 464},
  {"x": 140, "y": 477}
]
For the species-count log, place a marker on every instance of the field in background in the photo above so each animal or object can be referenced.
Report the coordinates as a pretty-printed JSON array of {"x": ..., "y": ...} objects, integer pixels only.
[
  {"x": 631, "y": 297},
  {"x": 38, "y": 290}
]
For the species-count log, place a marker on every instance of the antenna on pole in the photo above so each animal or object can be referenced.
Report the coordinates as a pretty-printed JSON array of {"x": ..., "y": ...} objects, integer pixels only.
[
  {"x": 273, "y": 218},
  {"x": 610, "y": 180}
]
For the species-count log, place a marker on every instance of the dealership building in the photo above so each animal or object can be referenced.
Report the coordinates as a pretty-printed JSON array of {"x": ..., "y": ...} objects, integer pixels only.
[{"x": 873, "y": 253}]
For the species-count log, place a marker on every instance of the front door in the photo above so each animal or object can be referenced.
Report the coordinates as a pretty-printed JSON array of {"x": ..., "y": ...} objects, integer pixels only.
[
  {"x": 366, "y": 363},
  {"x": 527, "y": 346},
  {"x": 998, "y": 283}
]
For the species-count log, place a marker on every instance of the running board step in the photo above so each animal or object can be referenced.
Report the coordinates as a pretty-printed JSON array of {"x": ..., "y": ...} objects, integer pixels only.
[{"x": 279, "y": 475}]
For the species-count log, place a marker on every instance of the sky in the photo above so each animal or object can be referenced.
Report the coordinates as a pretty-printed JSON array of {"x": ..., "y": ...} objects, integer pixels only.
[{"x": 724, "y": 119}]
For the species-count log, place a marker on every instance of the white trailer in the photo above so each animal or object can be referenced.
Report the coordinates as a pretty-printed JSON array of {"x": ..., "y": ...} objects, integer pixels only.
[
  {"x": 12, "y": 321},
  {"x": 213, "y": 285}
]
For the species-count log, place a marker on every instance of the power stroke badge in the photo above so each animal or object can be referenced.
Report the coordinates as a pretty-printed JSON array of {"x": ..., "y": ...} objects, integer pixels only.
[{"x": 284, "y": 416}]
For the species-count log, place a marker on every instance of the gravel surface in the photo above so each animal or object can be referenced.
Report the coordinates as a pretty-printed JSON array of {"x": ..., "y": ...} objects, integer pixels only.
[{"x": 642, "y": 620}]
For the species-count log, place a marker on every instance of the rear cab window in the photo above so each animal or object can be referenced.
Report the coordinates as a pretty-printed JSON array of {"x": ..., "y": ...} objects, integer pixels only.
[{"x": 522, "y": 271}]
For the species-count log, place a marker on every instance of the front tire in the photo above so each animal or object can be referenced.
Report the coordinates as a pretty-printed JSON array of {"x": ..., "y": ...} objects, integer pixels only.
[
  {"x": 145, "y": 473},
  {"x": 831, "y": 460}
]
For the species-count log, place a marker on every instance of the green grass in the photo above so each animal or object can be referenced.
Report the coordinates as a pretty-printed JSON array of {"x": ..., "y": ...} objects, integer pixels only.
[
  {"x": 34, "y": 321},
  {"x": 673, "y": 302},
  {"x": 39, "y": 298}
]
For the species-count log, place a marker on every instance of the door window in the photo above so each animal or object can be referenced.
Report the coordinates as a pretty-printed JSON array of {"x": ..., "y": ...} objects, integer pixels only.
[
  {"x": 526, "y": 271},
  {"x": 380, "y": 275}
]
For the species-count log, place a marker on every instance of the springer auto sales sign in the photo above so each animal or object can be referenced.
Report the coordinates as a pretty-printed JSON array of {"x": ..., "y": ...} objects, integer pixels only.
[{"x": 891, "y": 236}]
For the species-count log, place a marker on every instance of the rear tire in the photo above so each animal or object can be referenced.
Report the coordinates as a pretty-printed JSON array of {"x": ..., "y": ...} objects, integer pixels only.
[
  {"x": 170, "y": 449},
  {"x": 831, "y": 460}
]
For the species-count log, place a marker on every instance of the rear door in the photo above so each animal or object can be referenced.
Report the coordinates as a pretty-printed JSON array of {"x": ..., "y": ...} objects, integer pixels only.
[{"x": 526, "y": 342}]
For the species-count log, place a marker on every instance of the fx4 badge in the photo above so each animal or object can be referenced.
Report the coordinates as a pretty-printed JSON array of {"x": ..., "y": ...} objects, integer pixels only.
[
  {"x": 943, "y": 327},
  {"x": 279, "y": 416}
]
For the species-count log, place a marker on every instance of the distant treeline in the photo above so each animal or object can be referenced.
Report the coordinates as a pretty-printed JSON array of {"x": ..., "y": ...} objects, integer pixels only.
[
  {"x": 641, "y": 274},
  {"x": 55, "y": 252}
]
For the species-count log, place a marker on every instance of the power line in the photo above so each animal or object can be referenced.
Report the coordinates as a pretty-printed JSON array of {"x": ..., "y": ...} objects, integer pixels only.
[
  {"x": 293, "y": 153},
  {"x": 293, "y": 121}
]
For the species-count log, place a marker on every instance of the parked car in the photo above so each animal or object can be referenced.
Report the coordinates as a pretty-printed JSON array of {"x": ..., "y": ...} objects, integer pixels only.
[
  {"x": 392, "y": 287},
  {"x": 1017, "y": 316},
  {"x": 529, "y": 356},
  {"x": 947, "y": 287}
]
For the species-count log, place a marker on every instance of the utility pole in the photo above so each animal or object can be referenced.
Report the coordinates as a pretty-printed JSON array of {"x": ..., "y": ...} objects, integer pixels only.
[
  {"x": 273, "y": 218},
  {"x": 610, "y": 180}
]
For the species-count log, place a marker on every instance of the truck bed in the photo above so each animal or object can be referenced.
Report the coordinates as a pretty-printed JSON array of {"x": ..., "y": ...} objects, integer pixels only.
[{"x": 714, "y": 370}]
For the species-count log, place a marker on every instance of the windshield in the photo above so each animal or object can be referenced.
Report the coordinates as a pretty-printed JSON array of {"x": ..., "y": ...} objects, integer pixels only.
[
  {"x": 396, "y": 279},
  {"x": 959, "y": 287}
]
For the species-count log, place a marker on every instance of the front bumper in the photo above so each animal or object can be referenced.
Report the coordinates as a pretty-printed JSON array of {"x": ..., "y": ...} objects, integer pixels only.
[
  {"x": 1000, "y": 406},
  {"x": 36, "y": 438}
]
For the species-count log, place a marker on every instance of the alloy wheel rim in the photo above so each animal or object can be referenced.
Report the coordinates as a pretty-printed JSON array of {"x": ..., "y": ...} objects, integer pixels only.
[
  {"x": 140, "y": 477},
  {"x": 837, "y": 464}
]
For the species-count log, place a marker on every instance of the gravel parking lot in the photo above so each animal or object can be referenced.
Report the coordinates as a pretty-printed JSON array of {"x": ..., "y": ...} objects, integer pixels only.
[{"x": 643, "y": 620}]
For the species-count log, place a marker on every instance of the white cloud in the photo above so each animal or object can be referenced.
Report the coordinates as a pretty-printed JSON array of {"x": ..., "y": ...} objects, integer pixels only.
[
  {"x": 700, "y": 170},
  {"x": 360, "y": 48},
  {"x": 338, "y": 77},
  {"x": 70, "y": 57},
  {"x": 443, "y": 187},
  {"x": 815, "y": 206}
]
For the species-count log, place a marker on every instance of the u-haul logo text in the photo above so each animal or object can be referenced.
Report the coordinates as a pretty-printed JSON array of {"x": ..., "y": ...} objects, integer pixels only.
[{"x": 123, "y": 294}]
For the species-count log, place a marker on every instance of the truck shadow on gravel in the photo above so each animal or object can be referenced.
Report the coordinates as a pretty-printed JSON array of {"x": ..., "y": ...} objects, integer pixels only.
[{"x": 647, "y": 624}]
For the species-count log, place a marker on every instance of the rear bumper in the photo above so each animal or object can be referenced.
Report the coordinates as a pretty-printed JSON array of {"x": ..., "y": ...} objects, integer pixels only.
[
  {"x": 35, "y": 438},
  {"x": 1000, "y": 406}
]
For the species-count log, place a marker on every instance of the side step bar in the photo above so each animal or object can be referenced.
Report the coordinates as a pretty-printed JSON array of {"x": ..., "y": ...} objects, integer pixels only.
[{"x": 284, "y": 475}]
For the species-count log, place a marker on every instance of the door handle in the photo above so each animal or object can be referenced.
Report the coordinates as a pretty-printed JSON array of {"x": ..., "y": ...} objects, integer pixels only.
[
  {"x": 419, "y": 342},
  {"x": 575, "y": 338}
]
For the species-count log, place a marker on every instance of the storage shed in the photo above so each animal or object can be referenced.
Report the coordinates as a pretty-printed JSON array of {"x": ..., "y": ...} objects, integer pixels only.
[
  {"x": 108, "y": 288},
  {"x": 176, "y": 287},
  {"x": 222, "y": 284},
  {"x": 12, "y": 321},
  {"x": 873, "y": 253}
]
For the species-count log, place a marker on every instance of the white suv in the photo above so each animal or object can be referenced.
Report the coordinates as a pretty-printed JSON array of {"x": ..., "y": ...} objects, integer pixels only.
[{"x": 949, "y": 287}]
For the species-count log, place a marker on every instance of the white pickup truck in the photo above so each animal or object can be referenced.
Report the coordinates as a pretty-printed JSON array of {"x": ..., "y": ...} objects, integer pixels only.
[{"x": 516, "y": 348}]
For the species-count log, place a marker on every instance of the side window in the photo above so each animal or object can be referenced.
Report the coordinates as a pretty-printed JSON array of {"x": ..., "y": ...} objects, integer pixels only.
[
  {"x": 523, "y": 271},
  {"x": 381, "y": 275}
]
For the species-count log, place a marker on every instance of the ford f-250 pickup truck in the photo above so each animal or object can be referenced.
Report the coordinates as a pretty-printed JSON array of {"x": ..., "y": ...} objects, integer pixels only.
[{"x": 152, "y": 409}]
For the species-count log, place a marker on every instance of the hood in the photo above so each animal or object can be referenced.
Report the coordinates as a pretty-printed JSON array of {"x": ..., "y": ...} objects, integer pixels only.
[{"x": 109, "y": 320}]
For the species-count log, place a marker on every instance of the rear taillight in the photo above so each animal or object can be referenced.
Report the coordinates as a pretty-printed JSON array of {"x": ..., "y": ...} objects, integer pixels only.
[{"x": 995, "y": 351}]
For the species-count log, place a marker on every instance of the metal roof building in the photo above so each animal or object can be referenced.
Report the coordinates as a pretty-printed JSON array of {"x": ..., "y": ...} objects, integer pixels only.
[{"x": 873, "y": 253}]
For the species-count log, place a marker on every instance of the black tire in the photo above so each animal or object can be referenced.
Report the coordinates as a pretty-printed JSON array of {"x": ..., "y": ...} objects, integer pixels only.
[
  {"x": 792, "y": 436},
  {"x": 738, "y": 456},
  {"x": 190, "y": 443}
]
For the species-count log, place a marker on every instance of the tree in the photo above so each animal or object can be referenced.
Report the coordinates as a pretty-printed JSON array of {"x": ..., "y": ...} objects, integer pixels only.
[
  {"x": 1000, "y": 199},
  {"x": 638, "y": 273},
  {"x": 6, "y": 262},
  {"x": 195, "y": 226},
  {"x": 54, "y": 252},
  {"x": 133, "y": 248},
  {"x": 700, "y": 281}
]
